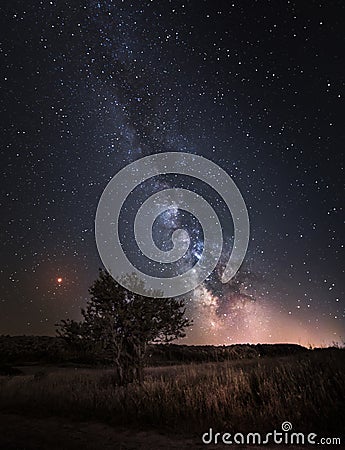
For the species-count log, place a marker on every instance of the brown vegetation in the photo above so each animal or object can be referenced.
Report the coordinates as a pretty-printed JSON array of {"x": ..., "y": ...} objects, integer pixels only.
[{"x": 306, "y": 389}]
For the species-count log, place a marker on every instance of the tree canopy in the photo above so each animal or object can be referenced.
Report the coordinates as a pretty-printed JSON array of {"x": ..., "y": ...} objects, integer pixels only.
[{"x": 122, "y": 324}]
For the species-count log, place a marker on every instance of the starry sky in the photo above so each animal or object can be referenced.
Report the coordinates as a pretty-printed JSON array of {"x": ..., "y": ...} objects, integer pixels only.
[{"x": 255, "y": 86}]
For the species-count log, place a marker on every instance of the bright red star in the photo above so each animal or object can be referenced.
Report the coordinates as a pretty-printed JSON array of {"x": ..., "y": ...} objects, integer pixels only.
[{"x": 59, "y": 280}]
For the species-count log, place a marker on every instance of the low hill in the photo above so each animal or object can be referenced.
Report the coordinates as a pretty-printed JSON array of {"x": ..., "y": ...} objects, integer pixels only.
[{"x": 47, "y": 349}]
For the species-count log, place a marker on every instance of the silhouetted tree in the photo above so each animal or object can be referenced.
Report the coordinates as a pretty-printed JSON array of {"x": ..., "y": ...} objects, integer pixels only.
[{"x": 123, "y": 323}]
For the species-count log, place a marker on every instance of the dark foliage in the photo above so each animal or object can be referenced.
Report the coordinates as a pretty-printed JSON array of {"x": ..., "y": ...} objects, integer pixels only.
[
  {"x": 119, "y": 325},
  {"x": 46, "y": 349}
]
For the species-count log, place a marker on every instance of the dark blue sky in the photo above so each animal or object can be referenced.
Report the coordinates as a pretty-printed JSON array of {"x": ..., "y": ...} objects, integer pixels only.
[{"x": 257, "y": 87}]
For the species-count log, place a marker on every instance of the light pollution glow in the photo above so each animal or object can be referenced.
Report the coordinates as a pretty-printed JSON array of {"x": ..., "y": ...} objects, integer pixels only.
[{"x": 252, "y": 322}]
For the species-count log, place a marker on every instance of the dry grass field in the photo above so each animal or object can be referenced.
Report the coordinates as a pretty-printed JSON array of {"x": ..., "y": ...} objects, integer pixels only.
[{"x": 178, "y": 402}]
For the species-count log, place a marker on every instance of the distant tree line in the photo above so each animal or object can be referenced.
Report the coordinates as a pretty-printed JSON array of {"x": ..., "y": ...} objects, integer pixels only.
[{"x": 55, "y": 350}]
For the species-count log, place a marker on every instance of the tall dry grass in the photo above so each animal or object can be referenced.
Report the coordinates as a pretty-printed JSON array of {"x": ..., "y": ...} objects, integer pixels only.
[{"x": 307, "y": 390}]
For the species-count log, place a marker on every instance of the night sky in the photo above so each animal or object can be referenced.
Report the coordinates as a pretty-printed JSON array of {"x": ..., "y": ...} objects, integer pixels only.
[{"x": 255, "y": 86}]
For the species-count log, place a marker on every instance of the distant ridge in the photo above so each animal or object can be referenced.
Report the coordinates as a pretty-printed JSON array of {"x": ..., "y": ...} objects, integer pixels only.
[{"x": 48, "y": 349}]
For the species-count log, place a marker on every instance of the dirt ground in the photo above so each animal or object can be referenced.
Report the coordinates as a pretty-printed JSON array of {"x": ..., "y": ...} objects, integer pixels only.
[
  {"x": 23, "y": 433},
  {"x": 52, "y": 433}
]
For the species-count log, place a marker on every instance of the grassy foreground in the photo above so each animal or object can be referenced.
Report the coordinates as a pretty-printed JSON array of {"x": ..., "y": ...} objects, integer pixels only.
[{"x": 253, "y": 395}]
